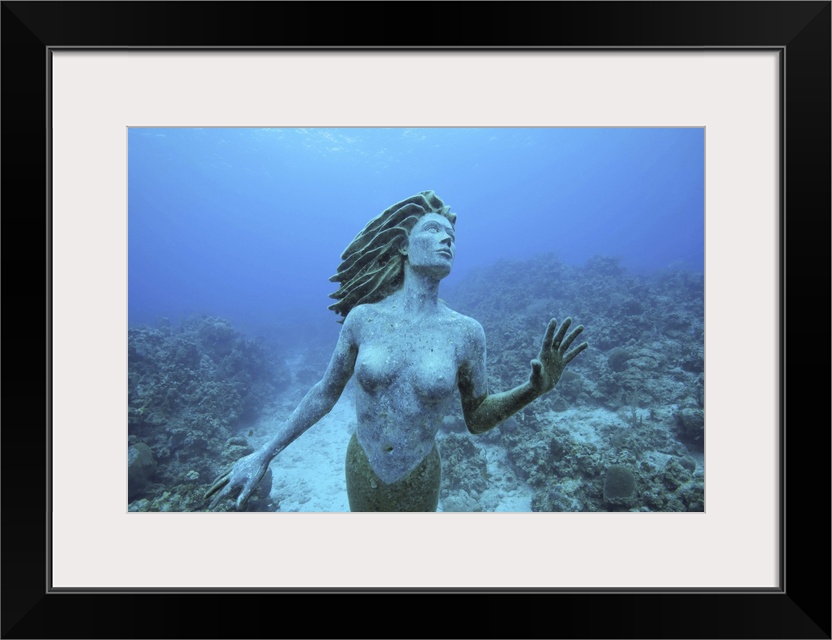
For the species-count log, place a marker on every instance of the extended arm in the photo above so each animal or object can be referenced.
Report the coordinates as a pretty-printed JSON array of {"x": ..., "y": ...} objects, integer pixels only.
[
  {"x": 248, "y": 471},
  {"x": 320, "y": 399},
  {"x": 485, "y": 411}
]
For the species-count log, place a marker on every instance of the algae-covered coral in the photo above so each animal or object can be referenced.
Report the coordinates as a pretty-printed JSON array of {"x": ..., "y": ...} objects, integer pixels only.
[
  {"x": 632, "y": 407},
  {"x": 190, "y": 389}
]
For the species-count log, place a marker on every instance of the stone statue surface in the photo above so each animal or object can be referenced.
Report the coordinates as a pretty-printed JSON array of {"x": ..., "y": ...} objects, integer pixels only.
[{"x": 411, "y": 356}]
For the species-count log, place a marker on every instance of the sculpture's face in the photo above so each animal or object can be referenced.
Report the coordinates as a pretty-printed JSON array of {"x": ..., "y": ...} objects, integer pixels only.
[{"x": 431, "y": 245}]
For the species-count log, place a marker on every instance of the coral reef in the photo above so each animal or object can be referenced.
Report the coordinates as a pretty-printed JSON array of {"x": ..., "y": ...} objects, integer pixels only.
[
  {"x": 190, "y": 389},
  {"x": 691, "y": 424},
  {"x": 631, "y": 407},
  {"x": 464, "y": 472}
]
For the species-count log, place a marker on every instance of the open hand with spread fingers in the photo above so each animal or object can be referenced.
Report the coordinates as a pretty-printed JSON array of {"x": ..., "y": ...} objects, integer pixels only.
[
  {"x": 240, "y": 481},
  {"x": 554, "y": 355}
]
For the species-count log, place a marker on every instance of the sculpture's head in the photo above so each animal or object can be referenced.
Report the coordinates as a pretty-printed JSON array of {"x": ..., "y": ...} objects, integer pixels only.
[{"x": 419, "y": 229}]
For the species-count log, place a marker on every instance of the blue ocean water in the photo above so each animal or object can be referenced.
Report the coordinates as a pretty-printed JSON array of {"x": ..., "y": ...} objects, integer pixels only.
[
  {"x": 249, "y": 224},
  {"x": 234, "y": 233}
]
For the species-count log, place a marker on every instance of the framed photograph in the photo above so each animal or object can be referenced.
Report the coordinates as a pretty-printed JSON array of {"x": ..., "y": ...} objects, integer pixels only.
[{"x": 109, "y": 105}]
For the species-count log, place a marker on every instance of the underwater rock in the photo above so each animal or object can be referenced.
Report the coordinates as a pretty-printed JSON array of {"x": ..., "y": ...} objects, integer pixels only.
[
  {"x": 691, "y": 424},
  {"x": 675, "y": 475},
  {"x": 631, "y": 307},
  {"x": 693, "y": 361},
  {"x": 617, "y": 359},
  {"x": 140, "y": 468},
  {"x": 531, "y": 456},
  {"x": 555, "y": 498},
  {"x": 688, "y": 463},
  {"x": 692, "y": 495},
  {"x": 139, "y": 505},
  {"x": 460, "y": 501},
  {"x": 619, "y": 485},
  {"x": 464, "y": 467}
]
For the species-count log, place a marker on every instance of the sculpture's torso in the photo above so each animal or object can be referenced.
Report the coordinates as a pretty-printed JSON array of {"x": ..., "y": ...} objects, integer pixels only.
[{"x": 406, "y": 369}]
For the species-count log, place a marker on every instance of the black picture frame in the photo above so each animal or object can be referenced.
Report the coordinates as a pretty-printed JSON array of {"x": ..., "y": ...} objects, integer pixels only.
[{"x": 799, "y": 31}]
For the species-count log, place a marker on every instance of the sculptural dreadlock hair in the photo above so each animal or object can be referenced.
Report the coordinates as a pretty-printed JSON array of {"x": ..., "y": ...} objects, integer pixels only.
[{"x": 372, "y": 266}]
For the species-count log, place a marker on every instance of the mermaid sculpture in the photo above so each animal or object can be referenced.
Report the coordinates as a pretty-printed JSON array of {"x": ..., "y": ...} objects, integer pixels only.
[{"x": 410, "y": 354}]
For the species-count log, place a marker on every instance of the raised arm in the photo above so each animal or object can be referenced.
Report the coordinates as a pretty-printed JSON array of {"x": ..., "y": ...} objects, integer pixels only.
[
  {"x": 248, "y": 471},
  {"x": 484, "y": 411}
]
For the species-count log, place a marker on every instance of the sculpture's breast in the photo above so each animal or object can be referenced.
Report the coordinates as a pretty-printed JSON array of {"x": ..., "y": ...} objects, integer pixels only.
[{"x": 425, "y": 370}]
